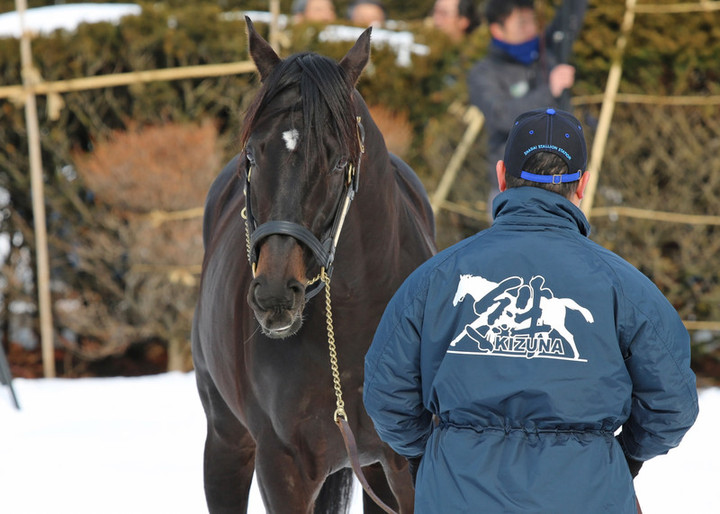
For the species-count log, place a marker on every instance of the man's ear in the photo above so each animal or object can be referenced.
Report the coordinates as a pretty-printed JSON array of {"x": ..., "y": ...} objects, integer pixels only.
[
  {"x": 501, "y": 170},
  {"x": 580, "y": 192}
]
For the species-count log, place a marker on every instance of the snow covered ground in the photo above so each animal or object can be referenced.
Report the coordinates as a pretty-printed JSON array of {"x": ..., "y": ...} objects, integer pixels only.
[{"x": 134, "y": 445}]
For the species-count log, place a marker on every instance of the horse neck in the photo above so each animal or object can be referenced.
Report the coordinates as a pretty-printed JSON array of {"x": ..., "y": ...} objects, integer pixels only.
[
  {"x": 381, "y": 216},
  {"x": 378, "y": 194}
]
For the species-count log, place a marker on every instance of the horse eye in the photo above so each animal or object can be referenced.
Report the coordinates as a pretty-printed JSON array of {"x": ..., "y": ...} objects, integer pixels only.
[
  {"x": 250, "y": 157},
  {"x": 341, "y": 164}
]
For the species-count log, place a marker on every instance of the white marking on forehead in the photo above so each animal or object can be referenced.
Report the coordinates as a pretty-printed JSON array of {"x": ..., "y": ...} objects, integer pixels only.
[{"x": 291, "y": 139}]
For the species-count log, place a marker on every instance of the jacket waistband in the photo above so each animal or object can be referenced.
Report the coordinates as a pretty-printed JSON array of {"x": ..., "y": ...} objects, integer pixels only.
[{"x": 527, "y": 430}]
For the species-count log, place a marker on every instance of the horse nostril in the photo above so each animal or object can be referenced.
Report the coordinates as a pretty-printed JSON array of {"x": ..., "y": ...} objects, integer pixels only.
[
  {"x": 253, "y": 298},
  {"x": 296, "y": 287},
  {"x": 275, "y": 296}
]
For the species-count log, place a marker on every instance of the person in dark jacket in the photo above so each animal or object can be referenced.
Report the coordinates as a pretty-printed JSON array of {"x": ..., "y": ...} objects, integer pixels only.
[
  {"x": 504, "y": 366},
  {"x": 521, "y": 72}
]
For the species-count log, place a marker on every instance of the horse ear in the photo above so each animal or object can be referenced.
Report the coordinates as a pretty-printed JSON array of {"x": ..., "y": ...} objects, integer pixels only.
[
  {"x": 357, "y": 57},
  {"x": 261, "y": 52}
]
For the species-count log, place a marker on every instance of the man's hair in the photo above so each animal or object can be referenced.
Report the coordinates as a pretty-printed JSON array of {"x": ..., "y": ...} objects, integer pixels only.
[
  {"x": 497, "y": 11},
  {"x": 545, "y": 163},
  {"x": 467, "y": 9}
]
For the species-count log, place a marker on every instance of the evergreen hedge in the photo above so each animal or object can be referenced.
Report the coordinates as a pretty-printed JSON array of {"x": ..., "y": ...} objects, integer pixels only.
[{"x": 661, "y": 158}]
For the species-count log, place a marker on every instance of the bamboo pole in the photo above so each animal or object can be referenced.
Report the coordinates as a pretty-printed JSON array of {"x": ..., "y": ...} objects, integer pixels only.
[
  {"x": 29, "y": 75},
  {"x": 476, "y": 212},
  {"x": 274, "y": 29},
  {"x": 608, "y": 106},
  {"x": 475, "y": 119},
  {"x": 158, "y": 217},
  {"x": 668, "y": 217},
  {"x": 629, "y": 98},
  {"x": 713, "y": 326},
  {"x": 124, "y": 79},
  {"x": 701, "y": 6}
]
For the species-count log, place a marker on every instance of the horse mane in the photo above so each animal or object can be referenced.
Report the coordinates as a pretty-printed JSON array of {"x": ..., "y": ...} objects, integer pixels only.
[{"x": 325, "y": 97}]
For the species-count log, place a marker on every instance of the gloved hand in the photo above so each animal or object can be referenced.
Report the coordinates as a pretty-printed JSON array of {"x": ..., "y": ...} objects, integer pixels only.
[
  {"x": 413, "y": 465},
  {"x": 633, "y": 464}
]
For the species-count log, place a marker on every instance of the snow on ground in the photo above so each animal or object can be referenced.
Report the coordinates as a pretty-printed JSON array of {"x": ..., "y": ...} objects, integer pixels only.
[{"x": 134, "y": 445}]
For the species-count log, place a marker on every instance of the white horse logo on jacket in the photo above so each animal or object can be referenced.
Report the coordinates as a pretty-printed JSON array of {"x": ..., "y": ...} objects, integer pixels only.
[{"x": 512, "y": 311}]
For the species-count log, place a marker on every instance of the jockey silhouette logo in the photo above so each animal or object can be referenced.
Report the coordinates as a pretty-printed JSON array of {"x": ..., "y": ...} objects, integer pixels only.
[{"x": 518, "y": 319}]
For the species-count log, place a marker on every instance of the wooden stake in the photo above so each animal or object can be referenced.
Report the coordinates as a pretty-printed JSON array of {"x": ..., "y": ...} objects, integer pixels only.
[
  {"x": 608, "y": 106},
  {"x": 274, "y": 29},
  {"x": 29, "y": 75},
  {"x": 475, "y": 120}
]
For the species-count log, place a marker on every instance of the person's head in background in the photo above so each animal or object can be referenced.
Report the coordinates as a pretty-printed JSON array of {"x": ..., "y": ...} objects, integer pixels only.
[
  {"x": 367, "y": 13},
  {"x": 313, "y": 10},
  {"x": 456, "y": 18},
  {"x": 512, "y": 21}
]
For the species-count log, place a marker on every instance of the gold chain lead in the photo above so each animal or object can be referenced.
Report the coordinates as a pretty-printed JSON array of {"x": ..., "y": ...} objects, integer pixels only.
[{"x": 340, "y": 404}]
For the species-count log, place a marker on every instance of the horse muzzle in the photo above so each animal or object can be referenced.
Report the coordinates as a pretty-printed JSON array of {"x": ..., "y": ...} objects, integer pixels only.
[
  {"x": 278, "y": 309},
  {"x": 277, "y": 293}
]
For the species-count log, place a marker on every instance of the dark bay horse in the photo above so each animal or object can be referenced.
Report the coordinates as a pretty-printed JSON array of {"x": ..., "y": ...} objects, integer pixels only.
[{"x": 275, "y": 220}]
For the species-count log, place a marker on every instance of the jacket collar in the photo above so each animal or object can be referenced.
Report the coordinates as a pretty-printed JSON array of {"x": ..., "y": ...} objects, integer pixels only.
[{"x": 532, "y": 206}]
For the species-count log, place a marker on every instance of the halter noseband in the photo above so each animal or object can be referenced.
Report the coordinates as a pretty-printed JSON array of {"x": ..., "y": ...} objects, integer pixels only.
[{"x": 324, "y": 251}]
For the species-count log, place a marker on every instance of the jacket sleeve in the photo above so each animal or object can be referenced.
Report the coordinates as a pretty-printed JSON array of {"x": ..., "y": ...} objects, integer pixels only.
[
  {"x": 576, "y": 10},
  {"x": 657, "y": 356},
  {"x": 392, "y": 391}
]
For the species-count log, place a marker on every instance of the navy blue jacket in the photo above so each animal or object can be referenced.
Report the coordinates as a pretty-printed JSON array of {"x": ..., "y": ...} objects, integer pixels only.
[{"x": 509, "y": 360}]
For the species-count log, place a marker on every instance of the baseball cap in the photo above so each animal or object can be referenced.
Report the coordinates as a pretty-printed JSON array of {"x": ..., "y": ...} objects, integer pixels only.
[{"x": 546, "y": 130}]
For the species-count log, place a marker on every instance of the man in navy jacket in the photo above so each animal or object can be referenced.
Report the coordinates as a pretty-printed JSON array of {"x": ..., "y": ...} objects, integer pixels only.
[{"x": 505, "y": 364}]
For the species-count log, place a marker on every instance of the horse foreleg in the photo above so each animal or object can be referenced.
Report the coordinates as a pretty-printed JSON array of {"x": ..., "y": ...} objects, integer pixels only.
[
  {"x": 229, "y": 455},
  {"x": 285, "y": 487},
  {"x": 228, "y": 470}
]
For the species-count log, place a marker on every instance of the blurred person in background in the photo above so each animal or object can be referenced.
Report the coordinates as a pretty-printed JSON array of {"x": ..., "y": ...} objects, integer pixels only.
[
  {"x": 522, "y": 70},
  {"x": 367, "y": 13},
  {"x": 313, "y": 10},
  {"x": 456, "y": 18}
]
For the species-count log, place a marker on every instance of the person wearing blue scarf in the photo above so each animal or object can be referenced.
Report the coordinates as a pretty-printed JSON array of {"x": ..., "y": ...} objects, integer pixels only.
[{"x": 521, "y": 71}]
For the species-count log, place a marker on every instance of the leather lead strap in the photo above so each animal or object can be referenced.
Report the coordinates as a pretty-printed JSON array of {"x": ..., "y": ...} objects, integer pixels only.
[{"x": 352, "y": 451}]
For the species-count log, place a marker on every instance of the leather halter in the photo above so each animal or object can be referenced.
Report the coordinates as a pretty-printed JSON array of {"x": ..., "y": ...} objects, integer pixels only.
[{"x": 323, "y": 250}]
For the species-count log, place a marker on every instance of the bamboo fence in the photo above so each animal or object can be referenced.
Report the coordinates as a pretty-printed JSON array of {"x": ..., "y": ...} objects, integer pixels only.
[{"x": 34, "y": 86}]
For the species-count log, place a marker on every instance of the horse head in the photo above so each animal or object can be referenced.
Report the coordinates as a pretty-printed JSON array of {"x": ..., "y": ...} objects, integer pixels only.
[
  {"x": 462, "y": 289},
  {"x": 302, "y": 143}
]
